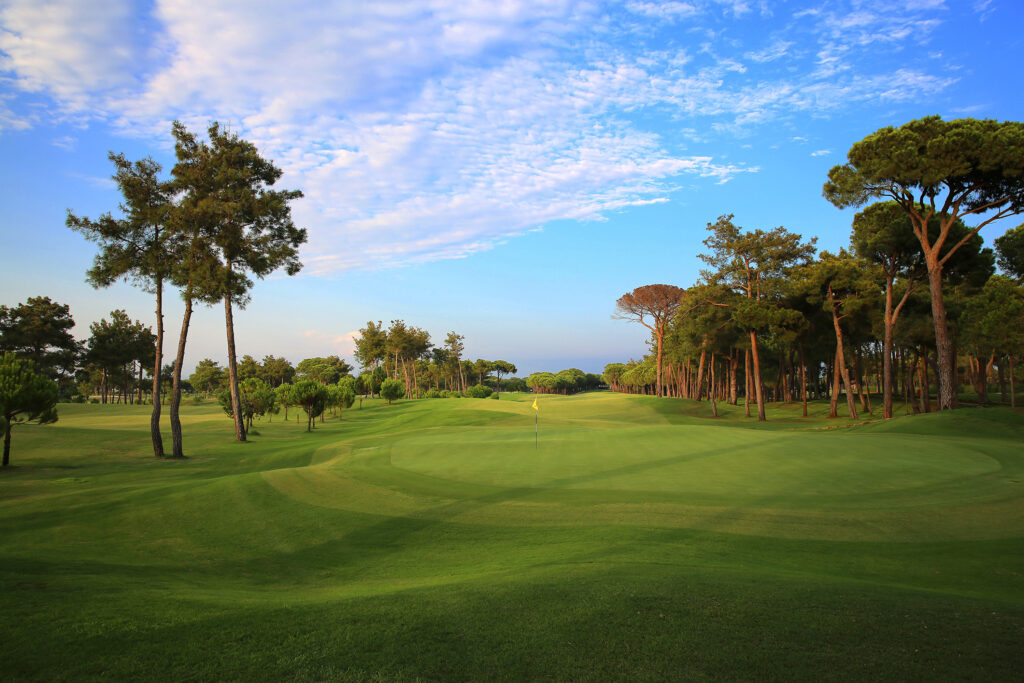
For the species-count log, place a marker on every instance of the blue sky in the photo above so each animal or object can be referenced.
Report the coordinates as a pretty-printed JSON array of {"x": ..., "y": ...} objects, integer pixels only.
[{"x": 503, "y": 169}]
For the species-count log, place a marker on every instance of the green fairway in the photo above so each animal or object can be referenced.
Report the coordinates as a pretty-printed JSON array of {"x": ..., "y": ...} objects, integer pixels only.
[{"x": 640, "y": 539}]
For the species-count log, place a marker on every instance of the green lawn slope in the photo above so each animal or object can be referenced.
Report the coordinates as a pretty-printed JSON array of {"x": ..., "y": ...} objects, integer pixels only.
[{"x": 638, "y": 540}]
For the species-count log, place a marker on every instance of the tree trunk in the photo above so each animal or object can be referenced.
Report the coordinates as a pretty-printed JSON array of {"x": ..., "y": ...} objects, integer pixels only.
[
  {"x": 405, "y": 376},
  {"x": 946, "y": 370},
  {"x": 889, "y": 324},
  {"x": 922, "y": 376},
  {"x": 154, "y": 420},
  {"x": 757, "y": 378},
  {"x": 236, "y": 399},
  {"x": 746, "y": 381},
  {"x": 1013, "y": 389},
  {"x": 660, "y": 334},
  {"x": 711, "y": 386},
  {"x": 912, "y": 390},
  {"x": 179, "y": 359},
  {"x": 733, "y": 369},
  {"x": 906, "y": 375},
  {"x": 864, "y": 391},
  {"x": 791, "y": 376},
  {"x": 1002, "y": 382},
  {"x": 983, "y": 380},
  {"x": 956, "y": 378},
  {"x": 779, "y": 393},
  {"x": 844, "y": 372},
  {"x": 841, "y": 357},
  {"x": 803, "y": 378},
  {"x": 700, "y": 373},
  {"x": 7, "y": 442},
  {"x": 925, "y": 385},
  {"x": 833, "y": 404}
]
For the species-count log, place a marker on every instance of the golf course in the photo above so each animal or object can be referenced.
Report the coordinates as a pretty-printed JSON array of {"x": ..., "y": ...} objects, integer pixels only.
[{"x": 628, "y": 538}]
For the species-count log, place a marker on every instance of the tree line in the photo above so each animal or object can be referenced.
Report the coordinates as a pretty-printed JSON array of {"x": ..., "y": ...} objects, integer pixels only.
[
  {"x": 207, "y": 230},
  {"x": 570, "y": 381},
  {"x": 112, "y": 363},
  {"x": 116, "y": 363},
  {"x": 914, "y": 295},
  {"x": 405, "y": 354}
]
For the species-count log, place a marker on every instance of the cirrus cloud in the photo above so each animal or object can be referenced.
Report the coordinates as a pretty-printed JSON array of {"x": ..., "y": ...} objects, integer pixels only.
[{"x": 428, "y": 130}]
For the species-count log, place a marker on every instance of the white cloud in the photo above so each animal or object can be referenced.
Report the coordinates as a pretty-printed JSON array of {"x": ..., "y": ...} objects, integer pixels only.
[
  {"x": 984, "y": 9},
  {"x": 345, "y": 344},
  {"x": 663, "y": 10},
  {"x": 11, "y": 121},
  {"x": 777, "y": 50},
  {"x": 426, "y": 130},
  {"x": 874, "y": 22},
  {"x": 102, "y": 183},
  {"x": 738, "y": 7},
  {"x": 821, "y": 152},
  {"x": 68, "y": 48}
]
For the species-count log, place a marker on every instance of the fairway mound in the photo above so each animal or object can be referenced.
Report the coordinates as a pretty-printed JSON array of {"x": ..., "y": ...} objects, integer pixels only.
[
  {"x": 842, "y": 426},
  {"x": 438, "y": 540},
  {"x": 822, "y": 484}
]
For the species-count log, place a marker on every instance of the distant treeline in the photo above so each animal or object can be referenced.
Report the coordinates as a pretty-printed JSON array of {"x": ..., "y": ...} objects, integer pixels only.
[
  {"x": 569, "y": 381},
  {"x": 405, "y": 353},
  {"x": 912, "y": 303}
]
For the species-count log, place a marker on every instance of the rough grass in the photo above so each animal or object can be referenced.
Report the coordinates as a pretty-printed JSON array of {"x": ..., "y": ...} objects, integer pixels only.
[{"x": 642, "y": 540}]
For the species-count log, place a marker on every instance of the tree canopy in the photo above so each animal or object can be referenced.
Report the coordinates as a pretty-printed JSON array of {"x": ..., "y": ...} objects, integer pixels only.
[
  {"x": 25, "y": 396},
  {"x": 40, "y": 330},
  {"x": 140, "y": 247},
  {"x": 392, "y": 390},
  {"x": 243, "y": 224},
  {"x": 942, "y": 169},
  {"x": 657, "y": 303},
  {"x": 311, "y": 396},
  {"x": 1010, "y": 248}
]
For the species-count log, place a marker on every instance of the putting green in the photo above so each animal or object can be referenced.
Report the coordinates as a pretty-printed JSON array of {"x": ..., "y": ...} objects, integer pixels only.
[
  {"x": 862, "y": 484},
  {"x": 703, "y": 462},
  {"x": 430, "y": 540}
]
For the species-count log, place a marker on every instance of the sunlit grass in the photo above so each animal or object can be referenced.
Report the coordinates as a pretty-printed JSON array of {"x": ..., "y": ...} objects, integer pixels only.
[{"x": 639, "y": 539}]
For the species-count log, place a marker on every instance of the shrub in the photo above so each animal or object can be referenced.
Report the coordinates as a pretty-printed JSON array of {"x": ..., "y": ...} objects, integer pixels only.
[
  {"x": 478, "y": 391},
  {"x": 26, "y": 395},
  {"x": 312, "y": 397},
  {"x": 391, "y": 390}
]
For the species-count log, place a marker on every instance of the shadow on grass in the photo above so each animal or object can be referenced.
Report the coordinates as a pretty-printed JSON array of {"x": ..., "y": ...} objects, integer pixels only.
[{"x": 629, "y": 622}]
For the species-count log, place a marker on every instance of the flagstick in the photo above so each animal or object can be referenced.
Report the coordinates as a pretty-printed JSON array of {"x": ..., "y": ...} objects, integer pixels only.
[{"x": 536, "y": 429}]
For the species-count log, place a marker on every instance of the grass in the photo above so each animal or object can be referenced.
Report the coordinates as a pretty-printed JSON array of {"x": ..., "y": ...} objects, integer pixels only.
[{"x": 426, "y": 540}]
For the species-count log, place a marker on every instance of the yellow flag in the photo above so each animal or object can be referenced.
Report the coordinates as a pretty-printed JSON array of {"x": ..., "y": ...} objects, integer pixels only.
[{"x": 535, "y": 405}]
